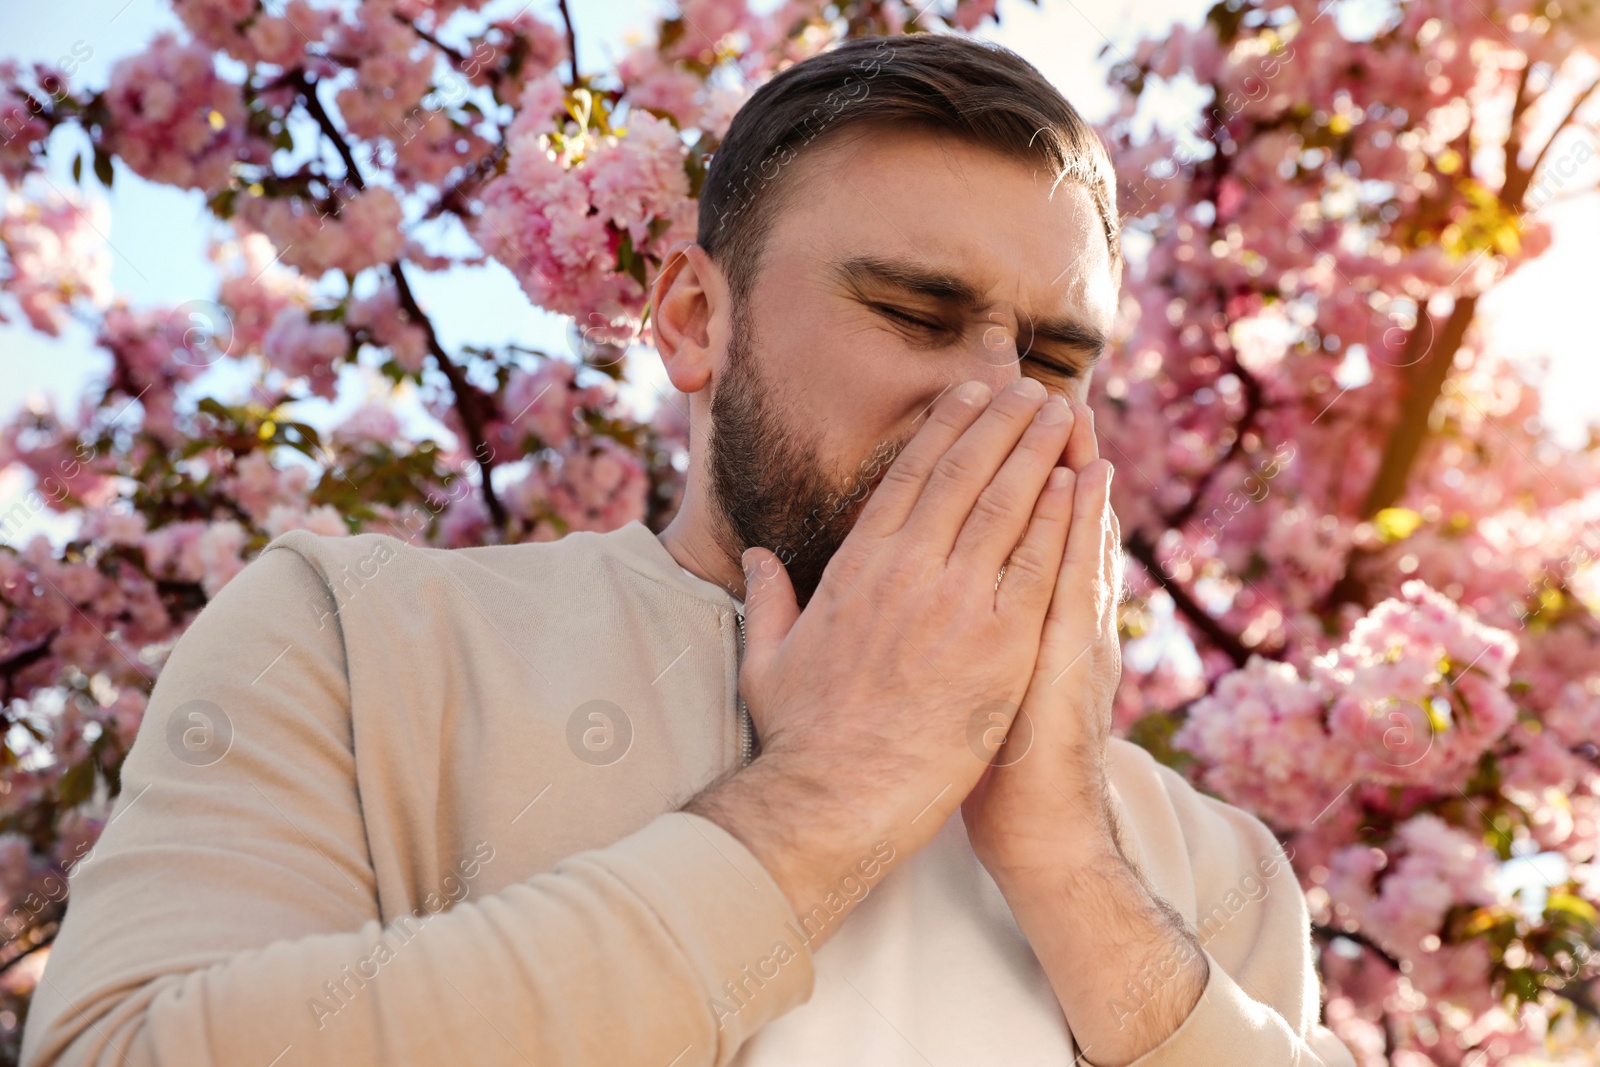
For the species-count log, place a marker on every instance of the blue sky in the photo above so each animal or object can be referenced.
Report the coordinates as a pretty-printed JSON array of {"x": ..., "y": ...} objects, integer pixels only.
[{"x": 159, "y": 234}]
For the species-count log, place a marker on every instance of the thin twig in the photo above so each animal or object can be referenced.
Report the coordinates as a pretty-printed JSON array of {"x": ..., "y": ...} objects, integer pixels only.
[
  {"x": 572, "y": 42},
  {"x": 471, "y": 403},
  {"x": 1140, "y": 548}
]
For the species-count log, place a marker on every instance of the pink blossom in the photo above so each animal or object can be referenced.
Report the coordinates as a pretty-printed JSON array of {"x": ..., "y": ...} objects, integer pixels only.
[
  {"x": 601, "y": 487},
  {"x": 361, "y": 231},
  {"x": 1261, "y": 735},
  {"x": 58, "y": 256},
  {"x": 381, "y": 316},
  {"x": 369, "y": 422},
  {"x": 173, "y": 120},
  {"x": 218, "y": 550},
  {"x": 301, "y": 348},
  {"x": 323, "y": 519},
  {"x": 22, "y": 130},
  {"x": 257, "y": 486},
  {"x": 172, "y": 551}
]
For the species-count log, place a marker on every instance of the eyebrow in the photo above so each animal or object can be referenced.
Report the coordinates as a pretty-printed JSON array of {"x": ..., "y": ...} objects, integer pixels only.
[{"x": 948, "y": 288}]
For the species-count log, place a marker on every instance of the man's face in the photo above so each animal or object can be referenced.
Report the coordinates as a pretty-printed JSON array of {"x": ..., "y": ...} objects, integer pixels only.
[{"x": 907, "y": 264}]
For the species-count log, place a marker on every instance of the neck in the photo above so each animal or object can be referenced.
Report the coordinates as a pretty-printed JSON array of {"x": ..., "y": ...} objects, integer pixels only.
[{"x": 690, "y": 538}]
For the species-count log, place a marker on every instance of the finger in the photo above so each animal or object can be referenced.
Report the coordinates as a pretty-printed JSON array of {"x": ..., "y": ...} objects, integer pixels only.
[
  {"x": 770, "y": 608},
  {"x": 1030, "y": 576},
  {"x": 969, "y": 465},
  {"x": 1082, "y": 446},
  {"x": 948, "y": 417},
  {"x": 1073, "y": 622},
  {"x": 1115, "y": 562},
  {"x": 1001, "y": 514},
  {"x": 1106, "y": 588}
]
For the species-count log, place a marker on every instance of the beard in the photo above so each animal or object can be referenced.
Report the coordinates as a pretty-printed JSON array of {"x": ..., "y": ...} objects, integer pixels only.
[{"x": 768, "y": 487}]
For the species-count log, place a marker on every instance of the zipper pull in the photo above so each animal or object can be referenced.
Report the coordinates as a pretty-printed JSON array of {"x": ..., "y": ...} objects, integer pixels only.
[{"x": 747, "y": 726}]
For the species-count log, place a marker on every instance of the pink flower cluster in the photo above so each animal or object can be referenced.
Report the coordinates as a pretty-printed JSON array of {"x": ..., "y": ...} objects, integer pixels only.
[
  {"x": 1422, "y": 684},
  {"x": 252, "y": 291},
  {"x": 57, "y": 255},
  {"x": 1400, "y": 896},
  {"x": 599, "y": 485},
  {"x": 150, "y": 364},
  {"x": 23, "y": 130},
  {"x": 393, "y": 69},
  {"x": 303, "y": 349},
  {"x": 557, "y": 219},
  {"x": 250, "y": 33},
  {"x": 362, "y": 231},
  {"x": 175, "y": 121},
  {"x": 1415, "y": 694},
  {"x": 544, "y": 403},
  {"x": 385, "y": 324}
]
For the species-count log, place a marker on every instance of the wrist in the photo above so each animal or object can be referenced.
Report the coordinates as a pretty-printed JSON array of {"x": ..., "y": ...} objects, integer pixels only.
[{"x": 779, "y": 816}]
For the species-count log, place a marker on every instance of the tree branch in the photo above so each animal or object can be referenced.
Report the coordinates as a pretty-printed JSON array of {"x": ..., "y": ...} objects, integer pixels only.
[
  {"x": 572, "y": 42},
  {"x": 1513, "y": 194},
  {"x": 1515, "y": 177},
  {"x": 1140, "y": 548},
  {"x": 1422, "y": 390},
  {"x": 1410, "y": 430},
  {"x": 308, "y": 94},
  {"x": 1328, "y": 933},
  {"x": 471, "y": 403},
  {"x": 1253, "y": 403}
]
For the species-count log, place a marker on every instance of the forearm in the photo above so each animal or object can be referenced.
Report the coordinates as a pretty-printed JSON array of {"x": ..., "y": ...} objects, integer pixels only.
[{"x": 1122, "y": 963}]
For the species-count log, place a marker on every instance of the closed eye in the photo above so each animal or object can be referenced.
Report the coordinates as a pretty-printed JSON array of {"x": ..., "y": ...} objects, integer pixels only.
[
  {"x": 910, "y": 320},
  {"x": 1065, "y": 370}
]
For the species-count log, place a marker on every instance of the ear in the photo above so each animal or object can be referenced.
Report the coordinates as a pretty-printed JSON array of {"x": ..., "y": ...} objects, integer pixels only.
[{"x": 688, "y": 301}]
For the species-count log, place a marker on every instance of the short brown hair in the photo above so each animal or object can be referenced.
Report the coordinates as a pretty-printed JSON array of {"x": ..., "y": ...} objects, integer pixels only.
[{"x": 976, "y": 90}]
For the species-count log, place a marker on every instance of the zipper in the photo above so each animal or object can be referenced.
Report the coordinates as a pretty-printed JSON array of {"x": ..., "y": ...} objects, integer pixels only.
[{"x": 747, "y": 728}]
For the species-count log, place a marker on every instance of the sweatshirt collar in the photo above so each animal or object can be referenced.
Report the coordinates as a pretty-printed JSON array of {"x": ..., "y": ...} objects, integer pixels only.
[{"x": 643, "y": 551}]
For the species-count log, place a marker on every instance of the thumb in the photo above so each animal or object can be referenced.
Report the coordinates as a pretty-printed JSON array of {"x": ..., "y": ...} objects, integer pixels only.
[{"x": 770, "y": 607}]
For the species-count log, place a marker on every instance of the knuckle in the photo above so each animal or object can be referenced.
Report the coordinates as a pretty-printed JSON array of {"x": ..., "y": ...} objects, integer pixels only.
[
  {"x": 991, "y": 507},
  {"x": 954, "y": 468},
  {"x": 1028, "y": 564},
  {"x": 905, "y": 473}
]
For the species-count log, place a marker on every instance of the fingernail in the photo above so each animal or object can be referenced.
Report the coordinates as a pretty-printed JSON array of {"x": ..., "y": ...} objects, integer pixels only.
[
  {"x": 1058, "y": 477},
  {"x": 1032, "y": 388},
  {"x": 971, "y": 392},
  {"x": 1053, "y": 412}
]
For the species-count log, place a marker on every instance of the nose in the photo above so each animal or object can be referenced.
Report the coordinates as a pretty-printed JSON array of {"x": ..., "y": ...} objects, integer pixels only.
[{"x": 996, "y": 360}]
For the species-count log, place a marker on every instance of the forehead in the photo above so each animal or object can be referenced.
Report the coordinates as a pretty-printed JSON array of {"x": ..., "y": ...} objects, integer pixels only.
[{"x": 959, "y": 208}]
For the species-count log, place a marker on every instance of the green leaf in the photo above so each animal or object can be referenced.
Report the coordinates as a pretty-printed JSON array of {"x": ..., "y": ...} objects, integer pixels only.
[
  {"x": 1572, "y": 905},
  {"x": 212, "y": 406},
  {"x": 76, "y": 785},
  {"x": 102, "y": 166}
]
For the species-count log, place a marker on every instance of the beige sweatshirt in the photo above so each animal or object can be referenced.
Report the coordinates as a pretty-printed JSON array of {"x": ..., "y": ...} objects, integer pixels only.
[{"x": 398, "y": 805}]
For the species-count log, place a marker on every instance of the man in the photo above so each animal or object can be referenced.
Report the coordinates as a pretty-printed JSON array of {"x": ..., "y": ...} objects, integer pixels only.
[{"x": 736, "y": 793}]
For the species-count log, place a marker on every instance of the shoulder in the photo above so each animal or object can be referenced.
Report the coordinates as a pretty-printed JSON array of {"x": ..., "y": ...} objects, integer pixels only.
[
  {"x": 384, "y": 567},
  {"x": 1188, "y": 842}
]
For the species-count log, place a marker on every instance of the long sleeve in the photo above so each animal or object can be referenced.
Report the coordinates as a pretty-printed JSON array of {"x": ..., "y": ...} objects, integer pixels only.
[
  {"x": 229, "y": 913},
  {"x": 1260, "y": 1006}
]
